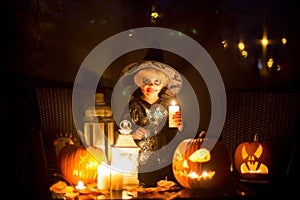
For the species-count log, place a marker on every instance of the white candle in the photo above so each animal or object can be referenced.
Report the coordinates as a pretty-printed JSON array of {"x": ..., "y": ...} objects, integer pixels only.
[
  {"x": 116, "y": 180},
  {"x": 104, "y": 174},
  {"x": 80, "y": 186},
  {"x": 172, "y": 110}
]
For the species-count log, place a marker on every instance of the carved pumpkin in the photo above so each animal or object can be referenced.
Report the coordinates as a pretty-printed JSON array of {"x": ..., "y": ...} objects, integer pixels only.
[
  {"x": 254, "y": 160},
  {"x": 79, "y": 163},
  {"x": 196, "y": 167}
]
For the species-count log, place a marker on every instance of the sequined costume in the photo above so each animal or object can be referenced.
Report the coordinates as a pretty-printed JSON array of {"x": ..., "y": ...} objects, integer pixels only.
[{"x": 153, "y": 118}]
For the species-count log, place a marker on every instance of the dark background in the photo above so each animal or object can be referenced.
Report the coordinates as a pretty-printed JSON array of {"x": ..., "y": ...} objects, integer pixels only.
[{"x": 47, "y": 40}]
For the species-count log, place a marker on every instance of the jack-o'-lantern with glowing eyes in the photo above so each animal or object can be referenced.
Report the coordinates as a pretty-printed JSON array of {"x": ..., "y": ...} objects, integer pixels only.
[
  {"x": 78, "y": 163},
  {"x": 196, "y": 165},
  {"x": 255, "y": 160}
]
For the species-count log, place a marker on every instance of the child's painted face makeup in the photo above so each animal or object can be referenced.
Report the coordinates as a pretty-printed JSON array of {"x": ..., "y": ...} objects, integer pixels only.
[
  {"x": 150, "y": 76},
  {"x": 151, "y": 85},
  {"x": 155, "y": 81},
  {"x": 151, "y": 82}
]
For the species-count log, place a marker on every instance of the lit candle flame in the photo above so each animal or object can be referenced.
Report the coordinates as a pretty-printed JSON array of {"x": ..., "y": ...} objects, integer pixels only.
[
  {"x": 193, "y": 175},
  {"x": 80, "y": 185},
  {"x": 173, "y": 103},
  {"x": 204, "y": 174}
]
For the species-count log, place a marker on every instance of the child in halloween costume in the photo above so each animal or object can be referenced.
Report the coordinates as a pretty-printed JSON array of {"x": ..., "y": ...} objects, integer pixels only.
[{"x": 156, "y": 85}]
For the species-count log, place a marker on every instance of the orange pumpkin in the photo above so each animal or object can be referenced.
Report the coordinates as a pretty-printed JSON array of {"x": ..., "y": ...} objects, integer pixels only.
[
  {"x": 196, "y": 167},
  {"x": 79, "y": 163},
  {"x": 254, "y": 160}
]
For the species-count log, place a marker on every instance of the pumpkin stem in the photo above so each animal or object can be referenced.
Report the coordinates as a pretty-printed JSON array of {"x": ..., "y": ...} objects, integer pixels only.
[
  {"x": 202, "y": 134},
  {"x": 256, "y": 137}
]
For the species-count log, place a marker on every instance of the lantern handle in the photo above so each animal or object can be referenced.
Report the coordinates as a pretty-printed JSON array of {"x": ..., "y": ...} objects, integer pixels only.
[{"x": 125, "y": 127}]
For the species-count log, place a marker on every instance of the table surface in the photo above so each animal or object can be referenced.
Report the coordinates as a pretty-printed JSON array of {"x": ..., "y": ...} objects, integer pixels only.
[{"x": 232, "y": 189}]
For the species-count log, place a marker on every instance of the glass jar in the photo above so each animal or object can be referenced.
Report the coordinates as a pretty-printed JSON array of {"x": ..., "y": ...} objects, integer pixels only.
[{"x": 99, "y": 126}]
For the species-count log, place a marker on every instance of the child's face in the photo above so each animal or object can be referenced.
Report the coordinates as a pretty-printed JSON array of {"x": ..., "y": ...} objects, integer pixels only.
[{"x": 151, "y": 81}]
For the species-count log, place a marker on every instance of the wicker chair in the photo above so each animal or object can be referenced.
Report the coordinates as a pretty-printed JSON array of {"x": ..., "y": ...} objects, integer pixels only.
[{"x": 56, "y": 120}]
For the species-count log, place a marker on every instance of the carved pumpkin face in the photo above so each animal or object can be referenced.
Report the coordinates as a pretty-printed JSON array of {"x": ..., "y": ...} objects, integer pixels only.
[
  {"x": 78, "y": 163},
  {"x": 253, "y": 160},
  {"x": 196, "y": 167}
]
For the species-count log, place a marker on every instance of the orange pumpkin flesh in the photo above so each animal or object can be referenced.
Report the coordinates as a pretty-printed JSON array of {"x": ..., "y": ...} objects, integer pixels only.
[
  {"x": 195, "y": 167},
  {"x": 79, "y": 163}
]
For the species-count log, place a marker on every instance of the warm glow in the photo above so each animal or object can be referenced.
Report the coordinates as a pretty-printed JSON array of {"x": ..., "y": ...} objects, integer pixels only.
[
  {"x": 173, "y": 103},
  {"x": 103, "y": 181},
  {"x": 284, "y": 40},
  {"x": 124, "y": 158},
  {"x": 224, "y": 44},
  {"x": 244, "y": 53},
  {"x": 241, "y": 46},
  {"x": 204, "y": 176},
  {"x": 185, "y": 164},
  {"x": 278, "y": 68},
  {"x": 264, "y": 41},
  {"x": 154, "y": 15},
  {"x": 201, "y": 155},
  {"x": 116, "y": 180},
  {"x": 80, "y": 185},
  {"x": 270, "y": 62},
  {"x": 172, "y": 110},
  {"x": 253, "y": 166},
  {"x": 193, "y": 175}
]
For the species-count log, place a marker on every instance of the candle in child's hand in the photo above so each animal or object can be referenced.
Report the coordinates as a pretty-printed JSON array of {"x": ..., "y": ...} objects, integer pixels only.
[
  {"x": 103, "y": 177},
  {"x": 172, "y": 110}
]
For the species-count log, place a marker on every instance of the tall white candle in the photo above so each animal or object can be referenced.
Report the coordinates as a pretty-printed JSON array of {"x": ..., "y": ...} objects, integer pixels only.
[
  {"x": 116, "y": 180},
  {"x": 172, "y": 110},
  {"x": 104, "y": 174}
]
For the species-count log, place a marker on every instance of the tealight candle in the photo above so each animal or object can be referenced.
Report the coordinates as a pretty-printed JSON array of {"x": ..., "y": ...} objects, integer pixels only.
[
  {"x": 172, "y": 110},
  {"x": 103, "y": 177},
  {"x": 80, "y": 186}
]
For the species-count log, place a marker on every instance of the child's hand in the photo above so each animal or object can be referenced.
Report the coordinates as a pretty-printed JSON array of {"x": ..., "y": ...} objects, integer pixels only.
[
  {"x": 139, "y": 134},
  {"x": 178, "y": 120}
]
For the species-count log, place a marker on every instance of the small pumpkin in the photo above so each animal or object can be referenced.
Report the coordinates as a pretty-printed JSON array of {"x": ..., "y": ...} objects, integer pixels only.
[
  {"x": 80, "y": 163},
  {"x": 254, "y": 159},
  {"x": 196, "y": 167}
]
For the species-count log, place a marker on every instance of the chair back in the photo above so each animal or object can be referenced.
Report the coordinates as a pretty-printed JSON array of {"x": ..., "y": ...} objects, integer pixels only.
[
  {"x": 274, "y": 116},
  {"x": 56, "y": 119}
]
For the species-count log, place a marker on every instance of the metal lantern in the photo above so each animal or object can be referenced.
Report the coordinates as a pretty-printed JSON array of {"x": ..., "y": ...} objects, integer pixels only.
[{"x": 125, "y": 155}]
